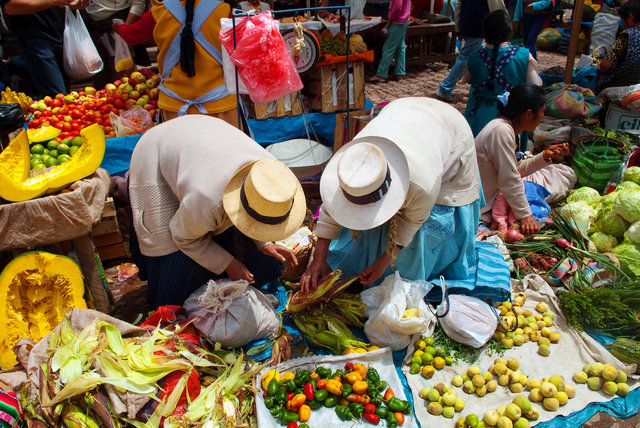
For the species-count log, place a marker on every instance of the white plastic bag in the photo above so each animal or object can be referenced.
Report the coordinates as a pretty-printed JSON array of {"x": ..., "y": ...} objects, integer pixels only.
[
  {"x": 79, "y": 54},
  {"x": 122, "y": 55},
  {"x": 385, "y": 307},
  {"x": 465, "y": 319},
  {"x": 233, "y": 313},
  {"x": 134, "y": 121}
]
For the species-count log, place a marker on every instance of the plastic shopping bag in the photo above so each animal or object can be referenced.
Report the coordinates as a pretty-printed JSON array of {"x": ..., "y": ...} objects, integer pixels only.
[
  {"x": 133, "y": 121},
  {"x": 232, "y": 313},
  {"x": 465, "y": 319},
  {"x": 122, "y": 56},
  {"x": 396, "y": 310},
  {"x": 262, "y": 58},
  {"x": 80, "y": 56}
]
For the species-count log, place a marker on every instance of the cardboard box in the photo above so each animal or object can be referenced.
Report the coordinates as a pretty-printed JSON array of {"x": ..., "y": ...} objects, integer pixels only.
[
  {"x": 621, "y": 118},
  {"x": 289, "y": 105},
  {"x": 326, "y": 87}
]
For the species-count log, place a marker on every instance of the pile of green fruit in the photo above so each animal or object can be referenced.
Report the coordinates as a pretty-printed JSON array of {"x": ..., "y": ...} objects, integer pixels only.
[
  {"x": 47, "y": 154},
  {"x": 603, "y": 377},
  {"x": 442, "y": 400},
  {"x": 333, "y": 46},
  {"x": 426, "y": 359}
]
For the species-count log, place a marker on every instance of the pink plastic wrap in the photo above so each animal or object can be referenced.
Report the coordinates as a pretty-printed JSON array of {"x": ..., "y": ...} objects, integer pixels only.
[{"x": 263, "y": 61}]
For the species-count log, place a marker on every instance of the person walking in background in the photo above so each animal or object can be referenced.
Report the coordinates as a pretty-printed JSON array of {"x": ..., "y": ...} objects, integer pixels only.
[
  {"x": 468, "y": 17},
  {"x": 39, "y": 25},
  {"x": 394, "y": 46},
  {"x": 494, "y": 69},
  {"x": 533, "y": 20}
]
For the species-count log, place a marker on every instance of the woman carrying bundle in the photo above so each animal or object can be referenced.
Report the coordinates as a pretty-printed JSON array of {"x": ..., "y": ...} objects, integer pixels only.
[{"x": 494, "y": 69}]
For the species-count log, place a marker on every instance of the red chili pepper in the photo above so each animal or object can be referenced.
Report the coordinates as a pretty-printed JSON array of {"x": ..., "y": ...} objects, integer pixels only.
[
  {"x": 292, "y": 425},
  {"x": 388, "y": 394},
  {"x": 354, "y": 398},
  {"x": 290, "y": 395},
  {"x": 322, "y": 384},
  {"x": 372, "y": 418},
  {"x": 348, "y": 366},
  {"x": 399, "y": 417},
  {"x": 369, "y": 408},
  {"x": 309, "y": 392}
]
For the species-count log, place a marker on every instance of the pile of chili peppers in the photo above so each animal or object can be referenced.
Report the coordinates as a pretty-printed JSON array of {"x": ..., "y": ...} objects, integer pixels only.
[{"x": 355, "y": 392}]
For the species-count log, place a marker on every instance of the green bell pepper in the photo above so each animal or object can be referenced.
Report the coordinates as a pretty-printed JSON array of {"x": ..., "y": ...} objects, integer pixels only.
[
  {"x": 314, "y": 404},
  {"x": 331, "y": 401},
  {"x": 289, "y": 385},
  {"x": 281, "y": 396},
  {"x": 268, "y": 402},
  {"x": 302, "y": 378},
  {"x": 391, "y": 420},
  {"x": 321, "y": 395},
  {"x": 344, "y": 413},
  {"x": 381, "y": 385},
  {"x": 396, "y": 405},
  {"x": 382, "y": 412},
  {"x": 323, "y": 372},
  {"x": 373, "y": 375},
  {"x": 286, "y": 417},
  {"x": 357, "y": 409},
  {"x": 272, "y": 388},
  {"x": 346, "y": 390}
]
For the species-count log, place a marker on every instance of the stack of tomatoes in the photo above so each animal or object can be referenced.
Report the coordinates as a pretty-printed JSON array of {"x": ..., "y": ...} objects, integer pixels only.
[{"x": 72, "y": 112}]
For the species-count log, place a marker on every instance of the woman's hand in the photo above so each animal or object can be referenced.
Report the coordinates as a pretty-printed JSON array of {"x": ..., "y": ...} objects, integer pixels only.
[
  {"x": 556, "y": 151},
  {"x": 529, "y": 226},
  {"x": 317, "y": 266},
  {"x": 237, "y": 271},
  {"x": 376, "y": 270},
  {"x": 281, "y": 253}
]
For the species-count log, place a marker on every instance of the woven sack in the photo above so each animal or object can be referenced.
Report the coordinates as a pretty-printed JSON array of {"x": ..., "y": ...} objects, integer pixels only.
[{"x": 596, "y": 160}]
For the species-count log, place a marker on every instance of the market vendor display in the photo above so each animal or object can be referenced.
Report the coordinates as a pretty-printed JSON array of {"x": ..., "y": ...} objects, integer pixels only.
[
  {"x": 199, "y": 189},
  {"x": 408, "y": 183},
  {"x": 501, "y": 174}
]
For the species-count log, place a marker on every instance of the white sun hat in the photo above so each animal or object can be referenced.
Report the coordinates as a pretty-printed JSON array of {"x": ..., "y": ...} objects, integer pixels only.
[{"x": 365, "y": 183}]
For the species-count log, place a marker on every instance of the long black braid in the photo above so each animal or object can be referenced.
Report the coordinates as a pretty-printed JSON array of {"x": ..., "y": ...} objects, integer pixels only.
[
  {"x": 187, "y": 43},
  {"x": 496, "y": 29}
]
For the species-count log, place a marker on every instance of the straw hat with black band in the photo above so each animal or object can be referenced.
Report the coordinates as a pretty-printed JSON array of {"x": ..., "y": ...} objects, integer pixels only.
[
  {"x": 365, "y": 183},
  {"x": 265, "y": 201}
]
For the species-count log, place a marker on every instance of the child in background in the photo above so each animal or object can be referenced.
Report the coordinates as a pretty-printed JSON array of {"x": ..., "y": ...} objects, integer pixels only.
[{"x": 394, "y": 46}]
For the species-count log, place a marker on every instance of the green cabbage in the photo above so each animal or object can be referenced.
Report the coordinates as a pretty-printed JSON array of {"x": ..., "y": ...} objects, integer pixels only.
[
  {"x": 586, "y": 194},
  {"x": 581, "y": 213},
  {"x": 627, "y": 205},
  {"x": 612, "y": 224},
  {"x": 603, "y": 242},
  {"x": 627, "y": 185},
  {"x": 633, "y": 233},
  {"x": 629, "y": 257},
  {"x": 632, "y": 174}
]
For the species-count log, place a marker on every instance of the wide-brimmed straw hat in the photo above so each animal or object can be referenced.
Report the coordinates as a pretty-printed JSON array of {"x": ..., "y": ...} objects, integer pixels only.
[
  {"x": 265, "y": 201},
  {"x": 365, "y": 183}
]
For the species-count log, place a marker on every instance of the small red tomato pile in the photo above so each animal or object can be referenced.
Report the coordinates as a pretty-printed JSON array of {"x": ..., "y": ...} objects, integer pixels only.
[{"x": 72, "y": 112}]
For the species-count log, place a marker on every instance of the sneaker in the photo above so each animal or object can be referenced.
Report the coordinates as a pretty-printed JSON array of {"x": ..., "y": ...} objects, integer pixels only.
[
  {"x": 442, "y": 97},
  {"x": 377, "y": 79}
]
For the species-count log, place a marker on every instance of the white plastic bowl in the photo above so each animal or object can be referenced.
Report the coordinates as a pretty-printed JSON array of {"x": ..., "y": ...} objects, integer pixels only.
[{"x": 304, "y": 157}]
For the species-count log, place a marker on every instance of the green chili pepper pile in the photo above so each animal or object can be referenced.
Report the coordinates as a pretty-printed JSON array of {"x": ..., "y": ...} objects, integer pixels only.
[{"x": 355, "y": 392}]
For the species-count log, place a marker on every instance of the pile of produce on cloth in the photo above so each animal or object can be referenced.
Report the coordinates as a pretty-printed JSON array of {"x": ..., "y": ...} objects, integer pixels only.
[{"x": 74, "y": 111}]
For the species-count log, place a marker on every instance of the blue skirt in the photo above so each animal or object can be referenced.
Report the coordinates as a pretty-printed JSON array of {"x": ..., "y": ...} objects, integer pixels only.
[{"x": 444, "y": 245}]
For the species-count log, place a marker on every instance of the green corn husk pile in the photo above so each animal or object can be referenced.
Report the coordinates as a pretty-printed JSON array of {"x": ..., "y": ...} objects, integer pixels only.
[
  {"x": 325, "y": 314},
  {"x": 72, "y": 382}
]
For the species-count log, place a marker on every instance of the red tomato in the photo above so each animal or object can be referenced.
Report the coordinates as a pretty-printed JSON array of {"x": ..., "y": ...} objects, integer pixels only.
[
  {"x": 66, "y": 126},
  {"x": 118, "y": 103},
  {"x": 111, "y": 134},
  {"x": 37, "y": 114},
  {"x": 56, "y": 102},
  {"x": 34, "y": 123},
  {"x": 44, "y": 123},
  {"x": 63, "y": 111},
  {"x": 107, "y": 122},
  {"x": 54, "y": 119},
  {"x": 76, "y": 127},
  {"x": 115, "y": 111},
  {"x": 100, "y": 103},
  {"x": 47, "y": 113},
  {"x": 99, "y": 121},
  {"x": 75, "y": 113},
  {"x": 58, "y": 124},
  {"x": 104, "y": 109},
  {"x": 58, "y": 139},
  {"x": 64, "y": 134},
  {"x": 87, "y": 123}
]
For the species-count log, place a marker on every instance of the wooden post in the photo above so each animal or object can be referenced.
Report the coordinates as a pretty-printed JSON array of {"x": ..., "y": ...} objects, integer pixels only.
[{"x": 575, "y": 37}]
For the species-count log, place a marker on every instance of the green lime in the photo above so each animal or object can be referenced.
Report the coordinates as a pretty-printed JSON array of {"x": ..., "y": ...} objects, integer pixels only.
[
  {"x": 430, "y": 350},
  {"x": 73, "y": 150},
  {"x": 416, "y": 359},
  {"x": 63, "y": 158},
  {"x": 44, "y": 158},
  {"x": 63, "y": 149},
  {"x": 35, "y": 162},
  {"x": 77, "y": 141},
  {"x": 429, "y": 341},
  {"x": 66, "y": 141},
  {"x": 38, "y": 166},
  {"x": 53, "y": 153},
  {"x": 440, "y": 352},
  {"x": 46, "y": 151},
  {"x": 36, "y": 156},
  {"x": 448, "y": 360},
  {"x": 427, "y": 358},
  {"x": 37, "y": 149},
  {"x": 51, "y": 162},
  {"x": 52, "y": 145},
  {"x": 415, "y": 368}
]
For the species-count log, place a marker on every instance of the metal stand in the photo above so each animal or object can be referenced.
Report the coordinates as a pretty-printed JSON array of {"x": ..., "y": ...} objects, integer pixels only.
[{"x": 344, "y": 26}]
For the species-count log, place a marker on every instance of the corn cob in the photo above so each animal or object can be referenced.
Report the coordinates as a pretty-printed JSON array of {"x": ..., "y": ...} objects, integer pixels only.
[
  {"x": 74, "y": 417},
  {"x": 331, "y": 286}
]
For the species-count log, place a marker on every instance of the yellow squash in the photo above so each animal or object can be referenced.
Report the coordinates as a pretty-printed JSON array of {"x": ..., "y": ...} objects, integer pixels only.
[
  {"x": 15, "y": 183},
  {"x": 37, "y": 289}
]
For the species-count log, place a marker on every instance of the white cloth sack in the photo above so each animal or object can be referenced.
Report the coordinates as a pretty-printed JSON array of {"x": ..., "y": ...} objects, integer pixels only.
[
  {"x": 603, "y": 32},
  {"x": 79, "y": 55},
  {"x": 470, "y": 321},
  {"x": 232, "y": 313},
  {"x": 385, "y": 305},
  {"x": 556, "y": 178}
]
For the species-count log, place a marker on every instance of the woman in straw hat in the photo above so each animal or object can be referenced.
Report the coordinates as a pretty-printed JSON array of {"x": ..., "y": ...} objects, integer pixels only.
[
  {"x": 204, "y": 199},
  {"x": 408, "y": 184}
]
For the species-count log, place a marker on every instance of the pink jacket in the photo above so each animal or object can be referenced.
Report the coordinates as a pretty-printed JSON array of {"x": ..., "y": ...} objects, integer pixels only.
[{"x": 399, "y": 11}]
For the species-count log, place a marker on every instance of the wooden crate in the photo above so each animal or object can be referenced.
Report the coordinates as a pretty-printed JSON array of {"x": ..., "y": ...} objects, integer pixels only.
[
  {"x": 106, "y": 234},
  {"x": 289, "y": 105},
  {"x": 357, "y": 120},
  {"x": 326, "y": 87}
]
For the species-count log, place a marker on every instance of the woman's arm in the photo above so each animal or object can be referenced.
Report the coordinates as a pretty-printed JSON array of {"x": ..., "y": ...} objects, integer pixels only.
[
  {"x": 27, "y": 7},
  {"x": 139, "y": 32},
  {"x": 617, "y": 52}
]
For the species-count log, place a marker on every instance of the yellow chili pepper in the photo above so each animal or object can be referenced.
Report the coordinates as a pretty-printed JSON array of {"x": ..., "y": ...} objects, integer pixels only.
[
  {"x": 360, "y": 387},
  {"x": 360, "y": 368},
  {"x": 288, "y": 376},
  {"x": 266, "y": 378},
  {"x": 298, "y": 400},
  {"x": 353, "y": 377},
  {"x": 304, "y": 413},
  {"x": 315, "y": 376},
  {"x": 334, "y": 387},
  {"x": 365, "y": 400},
  {"x": 344, "y": 402}
]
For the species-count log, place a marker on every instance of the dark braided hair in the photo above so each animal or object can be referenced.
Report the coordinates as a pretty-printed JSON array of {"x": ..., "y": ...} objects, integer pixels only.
[
  {"x": 496, "y": 29},
  {"x": 632, "y": 7},
  {"x": 187, "y": 43},
  {"x": 523, "y": 97}
]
